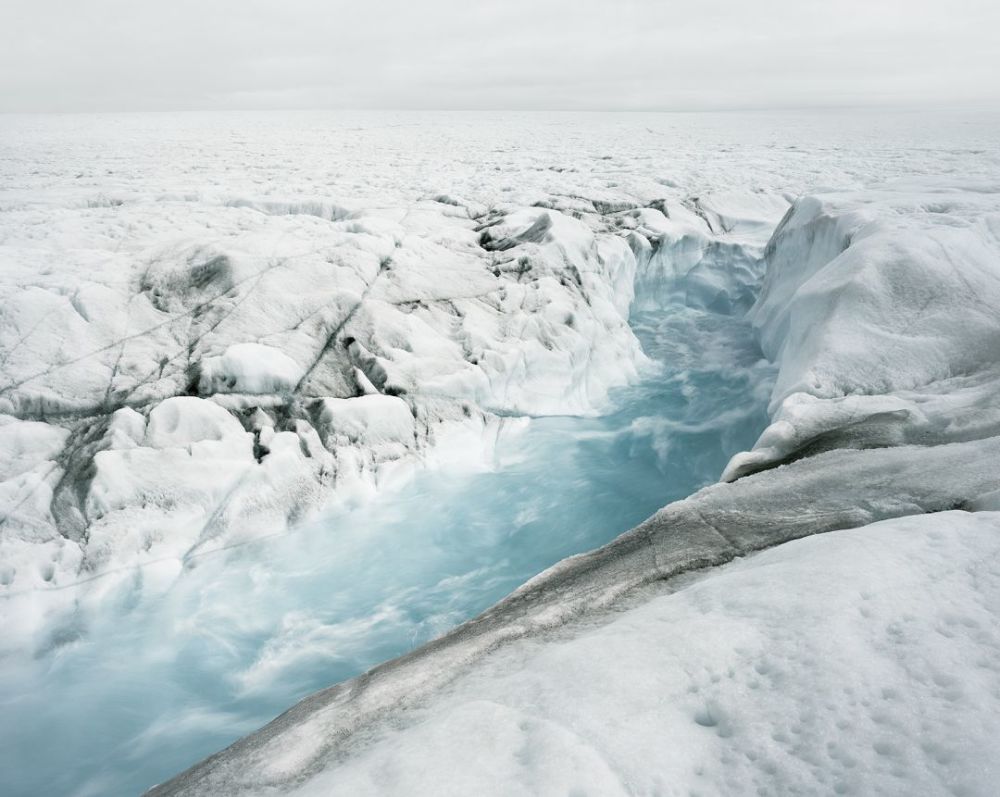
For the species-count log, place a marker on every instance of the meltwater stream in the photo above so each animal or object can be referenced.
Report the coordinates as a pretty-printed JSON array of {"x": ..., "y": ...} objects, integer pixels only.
[{"x": 161, "y": 681}]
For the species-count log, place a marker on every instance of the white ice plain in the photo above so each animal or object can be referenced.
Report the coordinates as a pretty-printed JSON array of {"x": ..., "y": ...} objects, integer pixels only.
[{"x": 206, "y": 341}]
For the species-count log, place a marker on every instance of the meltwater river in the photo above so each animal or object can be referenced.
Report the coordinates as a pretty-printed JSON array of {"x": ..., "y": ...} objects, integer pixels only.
[{"x": 159, "y": 683}]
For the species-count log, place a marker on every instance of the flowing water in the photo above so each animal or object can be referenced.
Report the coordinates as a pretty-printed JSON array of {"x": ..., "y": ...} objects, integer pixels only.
[{"x": 160, "y": 682}]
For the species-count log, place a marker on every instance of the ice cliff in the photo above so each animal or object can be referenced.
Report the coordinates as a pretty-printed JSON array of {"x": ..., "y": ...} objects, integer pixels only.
[{"x": 881, "y": 309}]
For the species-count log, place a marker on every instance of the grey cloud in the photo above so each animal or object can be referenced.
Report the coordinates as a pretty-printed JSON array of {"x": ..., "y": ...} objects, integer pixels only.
[{"x": 632, "y": 54}]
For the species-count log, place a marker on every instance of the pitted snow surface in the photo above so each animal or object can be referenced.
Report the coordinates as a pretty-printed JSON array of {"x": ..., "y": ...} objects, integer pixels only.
[{"x": 856, "y": 662}]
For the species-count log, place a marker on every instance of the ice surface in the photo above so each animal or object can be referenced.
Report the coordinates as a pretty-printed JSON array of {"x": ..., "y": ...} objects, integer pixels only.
[
  {"x": 806, "y": 669},
  {"x": 212, "y": 328},
  {"x": 881, "y": 310},
  {"x": 249, "y": 368}
]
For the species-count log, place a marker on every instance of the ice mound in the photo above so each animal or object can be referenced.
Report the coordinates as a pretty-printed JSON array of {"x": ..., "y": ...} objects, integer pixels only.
[
  {"x": 192, "y": 277},
  {"x": 24, "y": 445},
  {"x": 374, "y": 419},
  {"x": 881, "y": 311},
  {"x": 249, "y": 368},
  {"x": 187, "y": 421}
]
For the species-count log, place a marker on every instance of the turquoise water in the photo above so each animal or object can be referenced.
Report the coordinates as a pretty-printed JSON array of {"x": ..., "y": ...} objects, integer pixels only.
[{"x": 160, "y": 682}]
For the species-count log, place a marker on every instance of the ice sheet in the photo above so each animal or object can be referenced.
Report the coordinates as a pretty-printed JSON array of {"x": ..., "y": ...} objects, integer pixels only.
[{"x": 199, "y": 319}]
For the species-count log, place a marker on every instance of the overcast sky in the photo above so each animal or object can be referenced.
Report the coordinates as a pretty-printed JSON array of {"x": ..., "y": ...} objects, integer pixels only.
[{"x": 67, "y": 55}]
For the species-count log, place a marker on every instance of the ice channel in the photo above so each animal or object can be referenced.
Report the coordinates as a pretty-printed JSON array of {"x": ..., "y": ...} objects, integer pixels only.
[{"x": 158, "y": 683}]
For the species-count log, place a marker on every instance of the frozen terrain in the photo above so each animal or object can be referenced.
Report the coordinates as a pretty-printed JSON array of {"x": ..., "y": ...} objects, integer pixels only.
[
  {"x": 160, "y": 679},
  {"x": 840, "y": 664},
  {"x": 215, "y": 328}
]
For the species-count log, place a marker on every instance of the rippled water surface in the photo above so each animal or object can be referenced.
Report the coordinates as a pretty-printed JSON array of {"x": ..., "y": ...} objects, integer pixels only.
[{"x": 160, "y": 682}]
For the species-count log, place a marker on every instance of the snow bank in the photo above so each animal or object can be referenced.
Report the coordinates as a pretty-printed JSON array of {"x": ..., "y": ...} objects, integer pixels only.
[
  {"x": 800, "y": 670},
  {"x": 881, "y": 311}
]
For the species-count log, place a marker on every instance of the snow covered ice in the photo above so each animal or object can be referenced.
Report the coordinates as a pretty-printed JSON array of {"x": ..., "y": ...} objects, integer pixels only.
[
  {"x": 227, "y": 327},
  {"x": 805, "y": 669}
]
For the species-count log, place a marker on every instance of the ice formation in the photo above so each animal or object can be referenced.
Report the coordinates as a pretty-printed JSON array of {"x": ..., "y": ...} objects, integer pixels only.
[
  {"x": 185, "y": 368},
  {"x": 172, "y": 395},
  {"x": 880, "y": 311},
  {"x": 880, "y": 308}
]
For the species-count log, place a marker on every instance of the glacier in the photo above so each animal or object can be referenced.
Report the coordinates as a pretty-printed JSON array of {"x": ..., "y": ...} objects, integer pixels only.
[{"x": 202, "y": 351}]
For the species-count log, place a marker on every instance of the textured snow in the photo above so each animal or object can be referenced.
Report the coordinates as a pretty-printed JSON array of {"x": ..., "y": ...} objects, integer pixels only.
[
  {"x": 881, "y": 310},
  {"x": 804, "y": 669}
]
